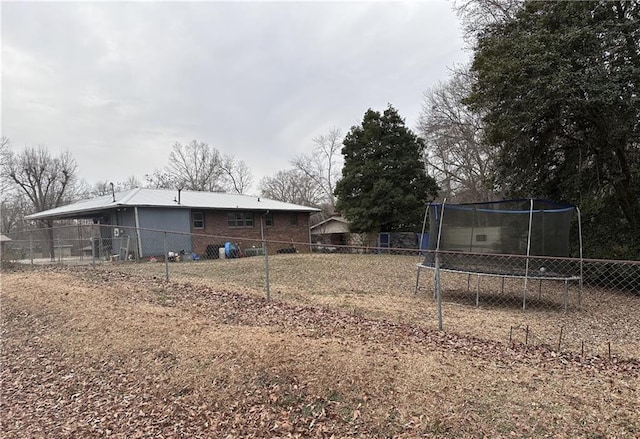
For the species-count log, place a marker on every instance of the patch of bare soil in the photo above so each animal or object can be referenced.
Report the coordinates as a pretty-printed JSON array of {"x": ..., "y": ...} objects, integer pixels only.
[{"x": 104, "y": 353}]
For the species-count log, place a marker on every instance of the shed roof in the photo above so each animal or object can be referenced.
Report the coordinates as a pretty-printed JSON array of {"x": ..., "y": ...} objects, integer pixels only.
[
  {"x": 338, "y": 219},
  {"x": 143, "y": 197}
]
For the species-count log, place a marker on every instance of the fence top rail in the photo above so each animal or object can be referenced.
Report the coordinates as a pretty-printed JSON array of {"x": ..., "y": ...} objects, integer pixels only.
[{"x": 24, "y": 236}]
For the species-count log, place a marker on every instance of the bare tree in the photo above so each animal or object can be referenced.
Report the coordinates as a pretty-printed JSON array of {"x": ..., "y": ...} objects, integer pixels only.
[
  {"x": 104, "y": 187},
  {"x": 476, "y": 15},
  {"x": 47, "y": 181},
  {"x": 101, "y": 188},
  {"x": 12, "y": 213},
  {"x": 455, "y": 154},
  {"x": 14, "y": 205},
  {"x": 237, "y": 175},
  {"x": 131, "y": 182},
  {"x": 323, "y": 165},
  {"x": 5, "y": 156},
  {"x": 196, "y": 166},
  {"x": 199, "y": 167},
  {"x": 292, "y": 186},
  {"x": 160, "y": 179}
]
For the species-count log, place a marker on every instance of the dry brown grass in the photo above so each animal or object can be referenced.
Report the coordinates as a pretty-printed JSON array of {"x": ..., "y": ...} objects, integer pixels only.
[
  {"x": 103, "y": 353},
  {"x": 382, "y": 287}
]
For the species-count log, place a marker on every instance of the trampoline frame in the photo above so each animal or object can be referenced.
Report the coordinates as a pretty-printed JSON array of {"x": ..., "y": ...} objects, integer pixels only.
[{"x": 528, "y": 275}]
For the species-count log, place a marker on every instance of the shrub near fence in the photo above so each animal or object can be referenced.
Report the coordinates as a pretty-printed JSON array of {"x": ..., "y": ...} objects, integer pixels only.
[{"x": 601, "y": 316}]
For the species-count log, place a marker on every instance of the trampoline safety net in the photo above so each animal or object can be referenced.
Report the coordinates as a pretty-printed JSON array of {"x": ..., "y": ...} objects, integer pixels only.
[{"x": 479, "y": 237}]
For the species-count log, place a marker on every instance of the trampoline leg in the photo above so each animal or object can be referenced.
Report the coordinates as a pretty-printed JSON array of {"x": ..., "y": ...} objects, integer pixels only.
[
  {"x": 502, "y": 289},
  {"x": 566, "y": 294},
  {"x": 417, "y": 281},
  {"x": 436, "y": 279},
  {"x": 524, "y": 295},
  {"x": 580, "y": 294},
  {"x": 540, "y": 290},
  {"x": 468, "y": 281},
  {"x": 478, "y": 292}
]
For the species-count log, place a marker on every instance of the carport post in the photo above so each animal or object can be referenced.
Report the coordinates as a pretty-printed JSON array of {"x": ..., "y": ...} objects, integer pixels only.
[{"x": 166, "y": 259}]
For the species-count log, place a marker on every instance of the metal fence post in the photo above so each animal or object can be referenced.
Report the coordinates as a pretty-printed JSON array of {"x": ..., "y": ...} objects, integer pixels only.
[
  {"x": 438, "y": 290},
  {"x": 93, "y": 245},
  {"x": 437, "y": 267},
  {"x": 526, "y": 270},
  {"x": 100, "y": 243},
  {"x": 80, "y": 243},
  {"x": 31, "y": 247},
  {"x": 59, "y": 250},
  {"x": 166, "y": 258},
  {"x": 266, "y": 267},
  {"x": 266, "y": 256}
]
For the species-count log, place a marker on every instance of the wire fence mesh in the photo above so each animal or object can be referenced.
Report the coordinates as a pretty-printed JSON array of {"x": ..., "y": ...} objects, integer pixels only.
[{"x": 586, "y": 307}]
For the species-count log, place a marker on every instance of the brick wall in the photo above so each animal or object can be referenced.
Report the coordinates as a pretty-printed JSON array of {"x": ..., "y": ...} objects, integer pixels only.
[{"x": 216, "y": 226}]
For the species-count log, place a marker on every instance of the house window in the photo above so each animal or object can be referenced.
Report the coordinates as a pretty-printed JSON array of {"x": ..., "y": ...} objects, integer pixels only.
[
  {"x": 294, "y": 219},
  {"x": 240, "y": 219},
  {"x": 268, "y": 220},
  {"x": 198, "y": 220}
]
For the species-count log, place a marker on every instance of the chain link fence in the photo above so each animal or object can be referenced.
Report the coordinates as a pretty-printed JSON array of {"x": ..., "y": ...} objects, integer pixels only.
[{"x": 586, "y": 307}]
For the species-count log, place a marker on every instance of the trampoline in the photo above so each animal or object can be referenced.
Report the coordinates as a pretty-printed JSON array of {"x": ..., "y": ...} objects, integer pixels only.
[{"x": 526, "y": 239}]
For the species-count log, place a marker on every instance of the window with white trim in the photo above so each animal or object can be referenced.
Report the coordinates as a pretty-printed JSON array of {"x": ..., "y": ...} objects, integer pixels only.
[
  {"x": 240, "y": 219},
  {"x": 198, "y": 220}
]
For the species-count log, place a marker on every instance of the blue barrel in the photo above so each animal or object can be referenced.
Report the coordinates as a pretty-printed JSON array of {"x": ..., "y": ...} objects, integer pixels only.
[{"x": 230, "y": 250}]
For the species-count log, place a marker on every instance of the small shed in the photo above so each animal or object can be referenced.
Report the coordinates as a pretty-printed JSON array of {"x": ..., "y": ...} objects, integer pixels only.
[{"x": 332, "y": 231}]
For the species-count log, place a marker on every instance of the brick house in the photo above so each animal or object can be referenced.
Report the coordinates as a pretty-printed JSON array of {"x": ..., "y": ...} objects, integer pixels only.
[
  {"x": 286, "y": 228},
  {"x": 195, "y": 222}
]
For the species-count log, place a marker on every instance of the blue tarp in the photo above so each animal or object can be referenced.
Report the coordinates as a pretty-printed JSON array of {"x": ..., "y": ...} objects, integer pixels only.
[{"x": 230, "y": 250}]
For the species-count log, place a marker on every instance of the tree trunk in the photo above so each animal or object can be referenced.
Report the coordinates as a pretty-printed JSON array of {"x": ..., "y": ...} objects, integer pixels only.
[{"x": 629, "y": 203}]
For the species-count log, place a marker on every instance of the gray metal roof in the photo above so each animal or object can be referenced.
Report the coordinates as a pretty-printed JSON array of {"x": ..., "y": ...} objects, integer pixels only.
[{"x": 142, "y": 197}]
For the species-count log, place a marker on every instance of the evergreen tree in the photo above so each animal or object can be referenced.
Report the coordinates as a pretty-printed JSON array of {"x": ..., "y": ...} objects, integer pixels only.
[
  {"x": 558, "y": 85},
  {"x": 384, "y": 185}
]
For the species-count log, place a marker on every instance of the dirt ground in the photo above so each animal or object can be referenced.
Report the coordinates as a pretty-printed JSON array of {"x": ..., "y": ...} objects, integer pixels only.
[{"x": 112, "y": 353}]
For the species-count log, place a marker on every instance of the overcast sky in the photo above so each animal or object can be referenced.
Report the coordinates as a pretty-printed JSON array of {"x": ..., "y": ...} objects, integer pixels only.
[{"x": 117, "y": 84}]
